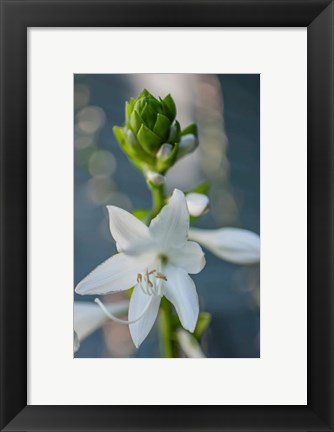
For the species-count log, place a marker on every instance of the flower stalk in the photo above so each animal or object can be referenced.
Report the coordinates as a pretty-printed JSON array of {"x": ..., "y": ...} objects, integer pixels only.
[
  {"x": 165, "y": 329},
  {"x": 158, "y": 199}
]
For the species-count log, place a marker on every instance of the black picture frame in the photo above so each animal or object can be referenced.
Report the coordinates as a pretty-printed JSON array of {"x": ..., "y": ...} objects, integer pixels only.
[{"x": 16, "y": 17}]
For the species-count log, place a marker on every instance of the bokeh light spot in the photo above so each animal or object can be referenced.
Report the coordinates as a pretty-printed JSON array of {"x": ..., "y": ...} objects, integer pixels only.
[
  {"x": 101, "y": 163},
  {"x": 90, "y": 119}
]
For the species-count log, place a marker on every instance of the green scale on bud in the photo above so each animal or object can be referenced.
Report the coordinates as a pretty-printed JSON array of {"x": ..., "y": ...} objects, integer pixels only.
[{"x": 152, "y": 137}]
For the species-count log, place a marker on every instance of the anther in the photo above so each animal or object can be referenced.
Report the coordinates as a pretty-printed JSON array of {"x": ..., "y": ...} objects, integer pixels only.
[
  {"x": 161, "y": 276},
  {"x": 152, "y": 285}
]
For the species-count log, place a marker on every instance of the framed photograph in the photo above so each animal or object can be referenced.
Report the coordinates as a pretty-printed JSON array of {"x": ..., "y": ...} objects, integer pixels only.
[{"x": 149, "y": 150}]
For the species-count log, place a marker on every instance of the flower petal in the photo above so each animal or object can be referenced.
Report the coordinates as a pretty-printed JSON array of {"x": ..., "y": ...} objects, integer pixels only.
[
  {"x": 117, "y": 273},
  {"x": 190, "y": 257},
  {"x": 197, "y": 203},
  {"x": 139, "y": 301},
  {"x": 236, "y": 245},
  {"x": 181, "y": 291},
  {"x": 88, "y": 317},
  {"x": 171, "y": 225},
  {"x": 76, "y": 342},
  {"x": 126, "y": 229}
]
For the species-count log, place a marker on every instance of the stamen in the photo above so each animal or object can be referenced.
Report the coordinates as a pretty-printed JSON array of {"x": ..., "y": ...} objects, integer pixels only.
[
  {"x": 139, "y": 281},
  {"x": 161, "y": 276},
  {"x": 153, "y": 285},
  {"x": 114, "y": 318},
  {"x": 150, "y": 287}
]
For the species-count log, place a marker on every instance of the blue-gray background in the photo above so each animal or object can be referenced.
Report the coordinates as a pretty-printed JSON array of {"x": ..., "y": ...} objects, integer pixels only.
[{"x": 227, "y": 111}]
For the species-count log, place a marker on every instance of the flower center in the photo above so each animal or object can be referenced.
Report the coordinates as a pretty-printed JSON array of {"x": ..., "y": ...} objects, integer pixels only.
[{"x": 152, "y": 282}]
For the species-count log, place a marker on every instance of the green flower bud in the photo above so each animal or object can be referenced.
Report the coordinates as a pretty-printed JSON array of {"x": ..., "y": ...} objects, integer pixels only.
[
  {"x": 131, "y": 138},
  {"x": 164, "y": 152},
  {"x": 150, "y": 119},
  {"x": 166, "y": 157},
  {"x": 155, "y": 178},
  {"x": 151, "y": 134},
  {"x": 172, "y": 133},
  {"x": 188, "y": 144}
]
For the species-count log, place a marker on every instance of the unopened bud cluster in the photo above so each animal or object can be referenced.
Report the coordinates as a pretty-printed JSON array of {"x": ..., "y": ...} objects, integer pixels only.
[{"x": 152, "y": 137}]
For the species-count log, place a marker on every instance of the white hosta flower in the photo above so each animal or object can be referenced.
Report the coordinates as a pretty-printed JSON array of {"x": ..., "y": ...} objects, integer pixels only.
[
  {"x": 156, "y": 260},
  {"x": 88, "y": 317},
  {"x": 197, "y": 203},
  {"x": 236, "y": 245}
]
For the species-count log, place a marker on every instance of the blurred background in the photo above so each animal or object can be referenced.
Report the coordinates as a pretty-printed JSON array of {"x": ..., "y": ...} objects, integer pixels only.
[{"x": 226, "y": 109}]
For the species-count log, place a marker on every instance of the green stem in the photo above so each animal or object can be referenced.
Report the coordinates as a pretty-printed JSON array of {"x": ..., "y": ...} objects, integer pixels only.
[
  {"x": 158, "y": 199},
  {"x": 165, "y": 328}
]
